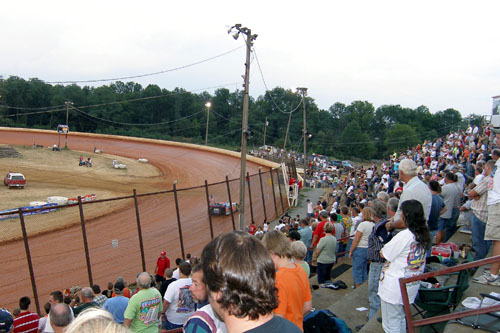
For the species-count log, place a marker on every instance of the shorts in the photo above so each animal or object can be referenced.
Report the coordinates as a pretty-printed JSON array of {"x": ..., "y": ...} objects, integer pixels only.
[
  {"x": 159, "y": 278},
  {"x": 492, "y": 231}
]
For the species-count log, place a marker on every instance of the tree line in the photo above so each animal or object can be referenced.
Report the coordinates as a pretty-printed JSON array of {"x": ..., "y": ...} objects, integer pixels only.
[{"x": 126, "y": 108}]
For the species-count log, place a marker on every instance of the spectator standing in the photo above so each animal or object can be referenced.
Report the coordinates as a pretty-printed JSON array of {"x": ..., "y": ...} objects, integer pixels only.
[
  {"x": 117, "y": 305},
  {"x": 178, "y": 303},
  {"x": 358, "y": 251},
  {"x": 60, "y": 317},
  {"x": 143, "y": 308},
  {"x": 161, "y": 265},
  {"x": 168, "y": 280},
  {"x": 99, "y": 298},
  {"x": 378, "y": 237},
  {"x": 294, "y": 293},
  {"x": 438, "y": 208},
  {"x": 252, "y": 228},
  {"x": 479, "y": 207},
  {"x": 299, "y": 252},
  {"x": 87, "y": 299},
  {"x": 405, "y": 255},
  {"x": 306, "y": 236},
  {"x": 414, "y": 189},
  {"x": 492, "y": 231},
  {"x": 325, "y": 251},
  {"x": 204, "y": 319},
  {"x": 234, "y": 265},
  {"x": 26, "y": 321},
  {"x": 55, "y": 297},
  {"x": 126, "y": 291}
]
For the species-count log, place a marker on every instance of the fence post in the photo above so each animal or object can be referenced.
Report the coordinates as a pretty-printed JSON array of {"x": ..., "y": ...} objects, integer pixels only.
[
  {"x": 209, "y": 215},
  {"x": 262, "y": 192},
  {"x": 28, "y": 258},
  {"x": 179, "y": 222},
  {"x": 139, "y": 231},
  {"x": 274, "y": 193},
  {"x": 230, "y": 202},
  {"x": 279, "y": 189},
  {"x": 250, "y": 196},
  {"x": 85, "y": 243}
]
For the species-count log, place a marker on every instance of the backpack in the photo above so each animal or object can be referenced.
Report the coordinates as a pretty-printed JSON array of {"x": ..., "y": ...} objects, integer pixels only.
[{"x": 324, "y": 321}]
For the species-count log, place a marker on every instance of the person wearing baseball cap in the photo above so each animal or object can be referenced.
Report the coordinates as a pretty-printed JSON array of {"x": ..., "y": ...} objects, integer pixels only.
[
  {"x": 117, "y": 305},
  {"x": 161, "y": 265},
  {"x": 6, "y": 321}
]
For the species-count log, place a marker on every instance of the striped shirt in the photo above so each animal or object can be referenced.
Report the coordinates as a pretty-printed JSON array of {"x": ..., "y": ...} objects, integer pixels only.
[
  {"x": 375, "y": 244},
  {"x": 480, "y": 207},
  {"x": 26, "y": 322}
]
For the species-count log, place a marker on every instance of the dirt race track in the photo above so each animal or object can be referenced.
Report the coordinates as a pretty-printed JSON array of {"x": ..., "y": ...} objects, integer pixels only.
[{"x": 58, "y": 257}]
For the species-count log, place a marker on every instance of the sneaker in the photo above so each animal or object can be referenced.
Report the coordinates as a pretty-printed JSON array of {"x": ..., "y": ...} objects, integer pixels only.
[
  {"x": 481, "y": 277},
  {"x": 493, "y": 281},
  {"x": 488, "y": 279}
]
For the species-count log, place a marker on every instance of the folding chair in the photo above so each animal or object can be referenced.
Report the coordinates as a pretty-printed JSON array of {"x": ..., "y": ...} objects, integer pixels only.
[{"x": 431, "y": 302}]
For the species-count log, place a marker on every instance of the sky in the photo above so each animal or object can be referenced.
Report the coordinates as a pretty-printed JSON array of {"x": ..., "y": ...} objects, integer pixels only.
[{"x": 441, "y": 54}]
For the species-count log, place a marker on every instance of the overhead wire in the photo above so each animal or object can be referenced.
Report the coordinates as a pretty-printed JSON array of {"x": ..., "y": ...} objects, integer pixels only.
[
  {"x": 148, "y": 74},
  {"x": 267, "y": 89}
]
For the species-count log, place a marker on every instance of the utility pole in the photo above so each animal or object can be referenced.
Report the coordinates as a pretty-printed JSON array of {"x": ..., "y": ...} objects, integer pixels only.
[
  {"x": 244, "y": 123},
  {"x": 265, "y": 127},
  {"x": 286, "y": 135},
  {"x": 67, "y": 119},
  {"x": 304, "y": 91},
  {"x": 208, "y": 105}
]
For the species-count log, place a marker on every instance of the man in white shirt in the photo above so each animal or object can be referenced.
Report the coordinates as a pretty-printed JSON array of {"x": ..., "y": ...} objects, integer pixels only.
[
  {"x": 178, "y": 303},
  {"x": 414, "y": 189}
]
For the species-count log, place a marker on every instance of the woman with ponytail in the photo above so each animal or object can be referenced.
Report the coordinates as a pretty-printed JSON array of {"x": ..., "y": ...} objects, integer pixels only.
[{"x": 405, "y": 255}]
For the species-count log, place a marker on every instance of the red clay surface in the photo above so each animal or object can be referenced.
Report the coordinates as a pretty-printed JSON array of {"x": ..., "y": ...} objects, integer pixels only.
[{"x": 58, "y": 257}]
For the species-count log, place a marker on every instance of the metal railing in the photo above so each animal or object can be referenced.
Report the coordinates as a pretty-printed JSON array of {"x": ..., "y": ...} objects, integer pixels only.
[
  {"x": 51, "y": 263},
  {"x": 438, "y": 319}
]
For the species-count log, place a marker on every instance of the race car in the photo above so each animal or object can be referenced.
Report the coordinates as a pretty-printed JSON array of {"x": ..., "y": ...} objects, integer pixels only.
[{"x": 222, "y": 208}]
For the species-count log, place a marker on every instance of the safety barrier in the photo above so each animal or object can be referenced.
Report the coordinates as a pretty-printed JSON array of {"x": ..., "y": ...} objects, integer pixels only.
[
  {"x": 438, "y": 319},
  {"x": 87, "y": 249}
]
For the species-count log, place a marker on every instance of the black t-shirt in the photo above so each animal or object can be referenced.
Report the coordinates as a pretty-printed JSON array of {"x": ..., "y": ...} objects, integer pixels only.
[
  {"x": 277, "y": 324},
  {"x": 164, "y": 286}
]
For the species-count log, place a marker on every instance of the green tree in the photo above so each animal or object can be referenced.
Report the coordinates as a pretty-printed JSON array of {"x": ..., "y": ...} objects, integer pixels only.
[{"x": 400, "y": 137}]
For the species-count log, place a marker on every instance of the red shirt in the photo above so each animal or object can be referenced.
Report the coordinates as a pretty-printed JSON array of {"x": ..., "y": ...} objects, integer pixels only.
[
  {"x": 252, "y": 229},
  {"x": 319, "y": 231},
  {"x": 162, "y": 264},
  {"x": 26, "y": 322}
]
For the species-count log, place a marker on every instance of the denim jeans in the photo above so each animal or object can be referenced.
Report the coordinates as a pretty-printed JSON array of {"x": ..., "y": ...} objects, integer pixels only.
[
  {"x": 170, "y": 326},
  {"x": 451, "y": 225},
  {"x": 309, "y": 255},
  {"x": 393, "y": 317},
  {"x": 324, "y": 272},
  {"x": 373, "y": 280},
  {"x": 359, "y": 263},
  {"x": 480, "y": 245}
]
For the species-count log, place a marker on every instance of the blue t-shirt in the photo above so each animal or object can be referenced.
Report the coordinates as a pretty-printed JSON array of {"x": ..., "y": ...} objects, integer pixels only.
[
  {"x": 116, "y": 306},
  {"x": 436, "y": 206}
]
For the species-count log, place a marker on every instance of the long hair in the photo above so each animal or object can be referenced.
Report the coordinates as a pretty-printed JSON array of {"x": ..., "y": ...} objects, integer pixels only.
[{"x": 413, "y": 213}]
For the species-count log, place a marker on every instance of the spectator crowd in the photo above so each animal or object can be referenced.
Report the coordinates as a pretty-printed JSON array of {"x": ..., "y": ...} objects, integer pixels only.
[{"x": 385, "y": 217}]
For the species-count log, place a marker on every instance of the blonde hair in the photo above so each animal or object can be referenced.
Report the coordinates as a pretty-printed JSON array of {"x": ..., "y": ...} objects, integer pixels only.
[
  {"x": 277, "y": 243},
  {"x": 328, "y": 227},
  {"x": 367, "y": 214},
  {"x": 299, "y": 250},
  {"x": 95, "y": 320}
]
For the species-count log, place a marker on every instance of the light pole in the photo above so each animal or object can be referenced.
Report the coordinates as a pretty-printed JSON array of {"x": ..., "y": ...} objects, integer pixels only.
[
  {"x": 68, "y": 104},
  {"x": 238, "y": 29},
  {"x": 208, "y": 105},
  {"x": 304, "y": 92},
  {"x": 265, "y": 128}
]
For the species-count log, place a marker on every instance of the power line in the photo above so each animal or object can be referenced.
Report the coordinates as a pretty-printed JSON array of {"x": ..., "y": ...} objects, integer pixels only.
[
  {"x": 134, "y": 124},
  {"x": 148, "y": 74},
  {"x": 267, "y": 89},
  {"x": 31, "y": 113}
]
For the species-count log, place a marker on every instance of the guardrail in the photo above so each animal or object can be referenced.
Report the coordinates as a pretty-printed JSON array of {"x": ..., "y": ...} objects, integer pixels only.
[{"x": 438, "y": 319}]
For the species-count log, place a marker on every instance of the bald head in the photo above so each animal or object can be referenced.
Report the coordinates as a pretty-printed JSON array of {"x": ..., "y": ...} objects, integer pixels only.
[
  {"x": 60, "y": 315},
  {"x": 144, "y": 280}
]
